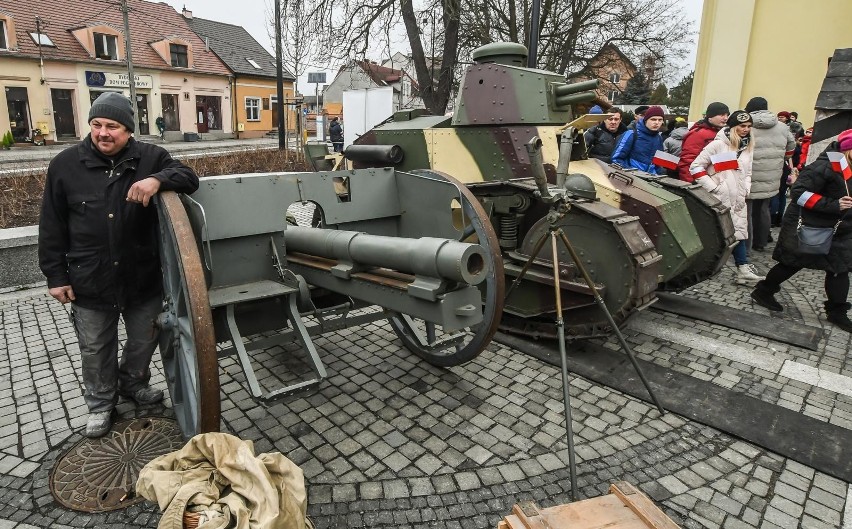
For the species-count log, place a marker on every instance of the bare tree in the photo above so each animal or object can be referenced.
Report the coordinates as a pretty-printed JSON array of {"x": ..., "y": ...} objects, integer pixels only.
[
  {"x": 571, "y": 32},
  {"x": 297, "y": 50},
  {"x": 350, "y": 29}
]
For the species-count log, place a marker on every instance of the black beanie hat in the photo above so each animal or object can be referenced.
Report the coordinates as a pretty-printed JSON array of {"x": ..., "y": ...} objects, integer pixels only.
[
  {"x": 112, "y": 105},
  {"x": 738, "y": 118},
  {"x": 756, "y": 103},
  {"x": 641, "y": 109},
  {"x": 716, "y": 109}
]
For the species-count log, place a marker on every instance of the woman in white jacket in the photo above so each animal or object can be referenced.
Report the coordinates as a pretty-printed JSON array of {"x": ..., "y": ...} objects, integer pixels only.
[{"x": 724, "y": 169}]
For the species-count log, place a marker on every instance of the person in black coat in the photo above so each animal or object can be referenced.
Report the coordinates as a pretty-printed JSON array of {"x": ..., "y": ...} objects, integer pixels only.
[
  {"x": 603, "y": 137},
  {"x": 97, "y": 247},
  {"x": 335, "y": 131},
  {"x": 821, "y": 197}
]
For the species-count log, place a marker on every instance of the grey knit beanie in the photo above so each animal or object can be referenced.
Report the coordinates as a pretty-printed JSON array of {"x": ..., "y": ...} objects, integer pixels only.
[{"x": 112, "y": 105}]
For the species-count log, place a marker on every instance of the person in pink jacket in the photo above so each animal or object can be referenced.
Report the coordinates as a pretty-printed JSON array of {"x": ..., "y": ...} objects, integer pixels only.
[{"x": 723, "y": 168}]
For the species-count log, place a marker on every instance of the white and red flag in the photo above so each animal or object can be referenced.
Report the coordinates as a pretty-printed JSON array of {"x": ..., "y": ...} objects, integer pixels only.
[
  {"x": 664, "y": 159},
  {"x": 840, "y": 164},
  {"x": 724, "y": 161},
  {"x": 697, "y": 172}
]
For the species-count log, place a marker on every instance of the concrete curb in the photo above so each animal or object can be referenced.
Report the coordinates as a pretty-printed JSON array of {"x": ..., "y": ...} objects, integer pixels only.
[{"x": 19, "y": 257}]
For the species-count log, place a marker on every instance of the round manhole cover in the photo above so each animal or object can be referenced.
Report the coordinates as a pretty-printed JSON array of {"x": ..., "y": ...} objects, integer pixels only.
[{"x": 98, "y": 475}]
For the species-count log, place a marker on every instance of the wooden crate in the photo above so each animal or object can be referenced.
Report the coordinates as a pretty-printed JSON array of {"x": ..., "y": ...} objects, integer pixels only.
[{"x": 625, "y": 507}]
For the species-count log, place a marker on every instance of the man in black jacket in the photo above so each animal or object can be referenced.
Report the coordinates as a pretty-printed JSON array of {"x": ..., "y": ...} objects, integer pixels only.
[
  {"x": 335, "y": 131},
  {"x": 603, "y": 137},
  {"x": 98, "y": 251}
]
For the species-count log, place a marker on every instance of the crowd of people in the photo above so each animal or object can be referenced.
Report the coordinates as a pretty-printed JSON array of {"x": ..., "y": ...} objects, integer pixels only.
[{"x": 750, "y": 160}]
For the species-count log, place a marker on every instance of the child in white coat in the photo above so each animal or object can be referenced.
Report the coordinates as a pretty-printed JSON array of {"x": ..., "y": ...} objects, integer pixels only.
[{"x": 724, "y": 169}]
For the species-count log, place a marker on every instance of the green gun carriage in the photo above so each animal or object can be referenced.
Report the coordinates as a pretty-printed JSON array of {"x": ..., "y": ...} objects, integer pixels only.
[{"x": 238, "y": 278}]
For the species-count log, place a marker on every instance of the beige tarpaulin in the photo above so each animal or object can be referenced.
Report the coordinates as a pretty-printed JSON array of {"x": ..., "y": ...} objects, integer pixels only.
[{"x": 218, "y": 476}]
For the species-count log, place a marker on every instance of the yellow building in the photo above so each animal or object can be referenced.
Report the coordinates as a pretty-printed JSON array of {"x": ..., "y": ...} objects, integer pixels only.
[
  {"x": 777, "y": 49},
  {"x": 254, "y": 91}
]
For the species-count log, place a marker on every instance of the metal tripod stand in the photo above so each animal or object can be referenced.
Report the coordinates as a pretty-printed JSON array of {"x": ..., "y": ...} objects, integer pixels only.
[{"x": 559, "y": 207}]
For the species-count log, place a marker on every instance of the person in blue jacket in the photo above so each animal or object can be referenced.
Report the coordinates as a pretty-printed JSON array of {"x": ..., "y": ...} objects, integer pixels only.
[{"x": 638, "y": 145}]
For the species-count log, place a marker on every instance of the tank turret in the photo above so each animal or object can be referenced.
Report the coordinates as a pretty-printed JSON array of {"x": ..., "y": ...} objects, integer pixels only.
[{"x": 499, "y": 90}]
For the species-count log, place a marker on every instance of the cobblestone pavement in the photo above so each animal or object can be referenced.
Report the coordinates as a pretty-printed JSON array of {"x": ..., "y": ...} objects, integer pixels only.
[{"x": 390, "y": 441}]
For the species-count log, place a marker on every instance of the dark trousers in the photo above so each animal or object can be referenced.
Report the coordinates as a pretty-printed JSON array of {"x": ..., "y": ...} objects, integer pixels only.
[
  {"x": 836, "y": 286},
  {"x": 338, "y": 146},
  {"x": 104, "y": 377},
  {"x": 759, "y": 223},
  {"x": 778, "y": 203}
]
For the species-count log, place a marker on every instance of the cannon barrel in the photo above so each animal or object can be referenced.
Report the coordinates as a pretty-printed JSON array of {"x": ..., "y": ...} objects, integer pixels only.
[
  {"x": 579, "y": 97},
  {"x": 573, "y": 88},
  {"x": 383, "y": 154},
  {"x": 426, "y": 256}
]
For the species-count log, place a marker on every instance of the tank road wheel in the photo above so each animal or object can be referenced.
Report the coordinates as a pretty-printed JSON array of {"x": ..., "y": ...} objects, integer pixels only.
[
  {"x": 617, "y": 253},
  {"x": 187, "y": 340},
  {"x": 428, "y": 340}
]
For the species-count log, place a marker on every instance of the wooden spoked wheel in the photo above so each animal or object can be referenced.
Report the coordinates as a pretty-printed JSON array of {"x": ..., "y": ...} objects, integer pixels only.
[
  {"x": 428, "y": 340},
  {"x": 187, "y": 339}
]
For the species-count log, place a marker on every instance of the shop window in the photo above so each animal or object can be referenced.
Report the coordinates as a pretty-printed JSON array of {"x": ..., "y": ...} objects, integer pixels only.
[
  {"x": 180, "y": 57},
  {"x": 170, "y": 111},
  {"x": 253, "y": 108},
  {"x": 106, "y": 46},
  {"x": 209, "y": 112}
]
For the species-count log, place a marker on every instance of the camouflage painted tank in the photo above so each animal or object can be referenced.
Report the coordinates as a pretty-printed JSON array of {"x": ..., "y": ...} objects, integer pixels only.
[{"x": 501, "y": 106}]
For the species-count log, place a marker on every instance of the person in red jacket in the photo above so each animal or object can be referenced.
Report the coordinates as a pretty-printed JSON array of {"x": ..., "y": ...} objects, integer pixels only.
[
  {"x": 806, "y": 146},
  {"x": 702, "y": 133}
]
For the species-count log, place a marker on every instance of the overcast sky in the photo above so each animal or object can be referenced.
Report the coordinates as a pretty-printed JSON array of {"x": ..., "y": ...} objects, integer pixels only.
[{"x": 251, "y": 14}]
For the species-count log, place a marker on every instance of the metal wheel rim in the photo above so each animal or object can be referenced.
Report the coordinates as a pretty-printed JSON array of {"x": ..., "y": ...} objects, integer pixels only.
[
  {"x": 420, "y": 338},
  {"x": 187, "y": 339}
]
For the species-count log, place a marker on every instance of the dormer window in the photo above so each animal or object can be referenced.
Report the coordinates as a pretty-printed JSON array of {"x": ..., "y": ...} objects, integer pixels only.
[
  {"x": 180, "y": 57},
  {"x": 42, "y": 39},
  {"x": 4, "y": 42},
  {"x": 253, "y": 63},
  {"x": 106, "y": 46}
]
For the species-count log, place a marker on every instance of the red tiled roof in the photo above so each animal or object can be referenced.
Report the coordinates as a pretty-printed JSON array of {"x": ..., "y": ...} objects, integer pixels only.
[
  {"x": 149, "y": 22},
  {"x": 381, "y": 75}
]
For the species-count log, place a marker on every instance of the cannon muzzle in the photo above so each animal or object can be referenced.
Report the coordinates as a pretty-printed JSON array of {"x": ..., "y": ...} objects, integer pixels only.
[
  {"x": 426, "y": 256},
  {"x": 380, "y": 154},
  {"x": 573, "y": 88},
  {"x": 565, "y": 95}
]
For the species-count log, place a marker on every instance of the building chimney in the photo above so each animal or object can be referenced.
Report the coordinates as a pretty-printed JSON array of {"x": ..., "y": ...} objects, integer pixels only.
[{"x": 187, "y": 14}]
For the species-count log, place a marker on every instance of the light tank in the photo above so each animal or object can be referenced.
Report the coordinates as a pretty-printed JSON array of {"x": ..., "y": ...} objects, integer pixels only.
[{"x": 630, "y": 233}]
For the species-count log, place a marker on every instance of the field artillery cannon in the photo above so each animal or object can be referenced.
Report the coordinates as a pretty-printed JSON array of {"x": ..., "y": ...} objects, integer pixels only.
[{"x": 233, "y": 267}]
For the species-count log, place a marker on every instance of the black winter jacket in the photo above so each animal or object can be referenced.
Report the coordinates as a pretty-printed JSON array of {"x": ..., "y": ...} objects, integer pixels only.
[
  {"x": 91, "y": 238},
  {"x": 815, "y": 196},
  {"x": 600, "y": 142},
  {"x": 335, "y": 131}
]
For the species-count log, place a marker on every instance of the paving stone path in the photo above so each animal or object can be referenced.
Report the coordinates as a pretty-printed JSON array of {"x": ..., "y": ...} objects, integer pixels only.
[{"x": 390, "y": 441}]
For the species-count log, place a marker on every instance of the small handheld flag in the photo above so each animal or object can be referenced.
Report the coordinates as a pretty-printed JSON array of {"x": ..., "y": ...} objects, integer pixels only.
[
  {"x": 839, "y": 164},
  {"x": 666, "y": 160},
  {"x": 724, "y": 161},
  {"x": 697, "y": 172}
]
